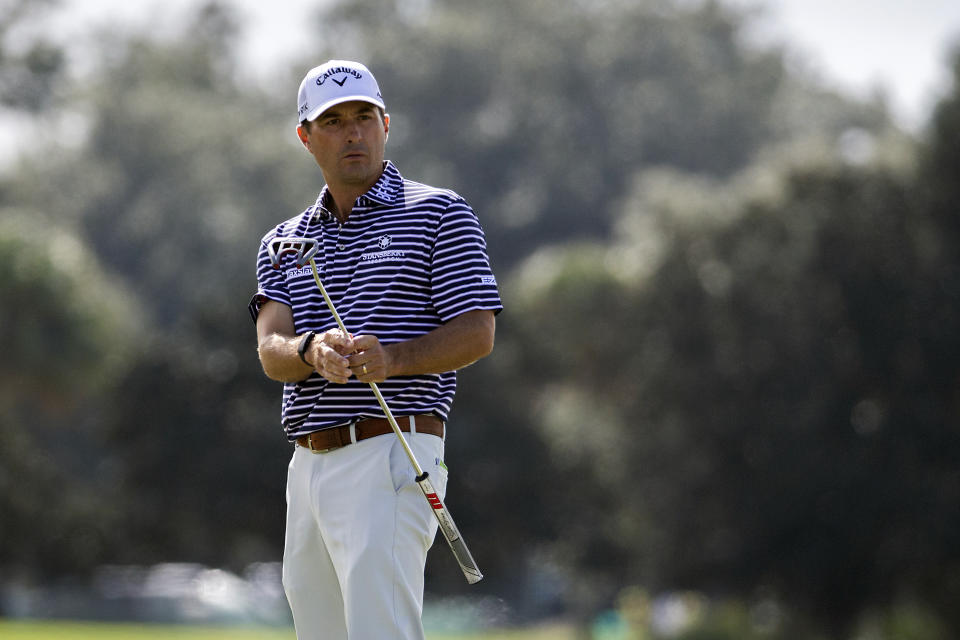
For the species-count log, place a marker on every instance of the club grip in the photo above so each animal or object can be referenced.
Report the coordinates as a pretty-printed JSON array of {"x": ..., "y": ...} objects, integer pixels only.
[{"x": 450, "y": 532}]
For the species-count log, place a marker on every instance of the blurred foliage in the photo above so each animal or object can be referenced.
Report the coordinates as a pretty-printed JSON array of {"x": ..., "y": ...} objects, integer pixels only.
[
  {"x": 728, "y": 360},
  {"x": 78, "y": 317},
  {"x": 30, "y": 62},
  {"x": 785, "y": 416},
  {"x": 68, "y": 337},
  {"x": 543, "y": 110}
]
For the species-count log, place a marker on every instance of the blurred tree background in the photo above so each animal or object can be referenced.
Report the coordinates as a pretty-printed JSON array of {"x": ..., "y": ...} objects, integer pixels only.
[{"x": 728, "y": 362}]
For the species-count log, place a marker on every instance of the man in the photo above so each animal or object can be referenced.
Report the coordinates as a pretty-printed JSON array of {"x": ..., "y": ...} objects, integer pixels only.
[{"x": 406, "y": 267}]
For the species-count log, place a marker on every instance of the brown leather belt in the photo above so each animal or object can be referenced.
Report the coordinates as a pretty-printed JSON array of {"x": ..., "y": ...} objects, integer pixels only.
[{"x": 336, "y": 437}]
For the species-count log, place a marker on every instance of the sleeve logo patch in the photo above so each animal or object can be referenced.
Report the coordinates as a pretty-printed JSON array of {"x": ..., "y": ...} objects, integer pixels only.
[{"x": 488, "y": 280}]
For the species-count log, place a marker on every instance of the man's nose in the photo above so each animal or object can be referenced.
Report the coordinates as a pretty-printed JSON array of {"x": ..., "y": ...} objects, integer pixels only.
[{"x": 354, "y": 133}]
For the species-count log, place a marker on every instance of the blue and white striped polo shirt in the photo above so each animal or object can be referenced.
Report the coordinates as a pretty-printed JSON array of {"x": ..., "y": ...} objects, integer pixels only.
[{"x": 409, "y": 258}]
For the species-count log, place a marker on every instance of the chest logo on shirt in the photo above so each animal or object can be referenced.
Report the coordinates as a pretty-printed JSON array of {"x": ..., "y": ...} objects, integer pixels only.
[{"x": 383, "y": 242}]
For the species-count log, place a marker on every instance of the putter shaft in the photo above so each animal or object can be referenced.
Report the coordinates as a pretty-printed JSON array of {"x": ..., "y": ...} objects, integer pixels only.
[{"x": 450, "y": 531}]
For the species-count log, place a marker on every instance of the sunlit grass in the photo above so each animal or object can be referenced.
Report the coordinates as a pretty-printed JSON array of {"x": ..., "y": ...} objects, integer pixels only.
[
  {"x": 30, "y": 630},
  {"x": 554, "y": 632}
]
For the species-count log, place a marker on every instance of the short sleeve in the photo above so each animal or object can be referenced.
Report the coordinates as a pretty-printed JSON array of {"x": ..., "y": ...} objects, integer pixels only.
[
  {"x": 461, "y": 277},
  {"x": 271, "y": 285}
]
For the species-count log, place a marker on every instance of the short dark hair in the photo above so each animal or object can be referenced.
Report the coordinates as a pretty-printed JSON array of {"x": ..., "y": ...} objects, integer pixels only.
[{"x": 383, "y": 118}]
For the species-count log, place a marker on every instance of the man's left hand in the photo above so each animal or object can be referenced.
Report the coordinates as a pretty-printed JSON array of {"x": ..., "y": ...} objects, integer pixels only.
[{"x": 370, "y": 361}]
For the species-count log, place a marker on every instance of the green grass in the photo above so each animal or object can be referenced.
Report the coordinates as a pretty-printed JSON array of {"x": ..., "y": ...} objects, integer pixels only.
[
  {"x": 30, "y": 630},
  {"x": 553, "y": 632}
]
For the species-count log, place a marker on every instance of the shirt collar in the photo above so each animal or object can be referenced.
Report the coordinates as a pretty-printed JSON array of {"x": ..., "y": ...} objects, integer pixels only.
[{"x": 385, "y": 191}]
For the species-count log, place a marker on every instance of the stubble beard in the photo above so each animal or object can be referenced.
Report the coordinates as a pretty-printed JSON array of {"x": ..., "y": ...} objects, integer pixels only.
[{"x": 361, "y": 174}]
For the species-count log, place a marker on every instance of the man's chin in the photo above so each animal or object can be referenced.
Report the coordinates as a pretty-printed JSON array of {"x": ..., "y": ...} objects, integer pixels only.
[{"x": 356, "y": 173}]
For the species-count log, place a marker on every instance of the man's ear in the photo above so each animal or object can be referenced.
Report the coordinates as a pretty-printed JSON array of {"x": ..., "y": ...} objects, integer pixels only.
[
  {"x": 303, "y": 136},
  {"x": 386, "y": 126}
]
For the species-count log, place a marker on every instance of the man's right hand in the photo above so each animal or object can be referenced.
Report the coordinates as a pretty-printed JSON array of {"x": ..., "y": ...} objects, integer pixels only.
[{"x": 328, "y": 354}]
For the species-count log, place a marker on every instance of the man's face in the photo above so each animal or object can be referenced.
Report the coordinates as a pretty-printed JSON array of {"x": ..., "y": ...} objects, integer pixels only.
[{"x": 347, "y": 141}]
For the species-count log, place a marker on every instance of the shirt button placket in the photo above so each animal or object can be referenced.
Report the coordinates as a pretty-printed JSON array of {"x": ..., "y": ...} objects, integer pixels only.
[{"x": 339, "y": 261}]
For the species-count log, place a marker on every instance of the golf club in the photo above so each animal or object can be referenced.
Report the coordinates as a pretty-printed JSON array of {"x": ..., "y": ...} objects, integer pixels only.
[{"x": 305, "y": 250}]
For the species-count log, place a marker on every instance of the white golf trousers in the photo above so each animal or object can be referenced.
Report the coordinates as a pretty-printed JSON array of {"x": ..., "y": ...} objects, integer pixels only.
[{"x": 358, "y": 531}]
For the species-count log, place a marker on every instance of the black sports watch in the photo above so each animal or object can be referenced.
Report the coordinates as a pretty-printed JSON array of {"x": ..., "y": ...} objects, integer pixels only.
[{"x": 304, "y": 345}]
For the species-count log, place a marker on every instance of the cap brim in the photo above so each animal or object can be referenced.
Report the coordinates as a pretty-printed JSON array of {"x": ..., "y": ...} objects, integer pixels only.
[{"x": 313, "y": 115}]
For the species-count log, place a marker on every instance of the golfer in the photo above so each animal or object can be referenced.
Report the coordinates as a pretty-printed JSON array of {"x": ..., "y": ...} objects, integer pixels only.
[{"x": 406, "y": 266}]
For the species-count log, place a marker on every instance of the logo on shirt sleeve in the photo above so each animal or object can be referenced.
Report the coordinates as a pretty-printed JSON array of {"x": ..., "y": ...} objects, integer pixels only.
[{"x": 488, "y": 280}]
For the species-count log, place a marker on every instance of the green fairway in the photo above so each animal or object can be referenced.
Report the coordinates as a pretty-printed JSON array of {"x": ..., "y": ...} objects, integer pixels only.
[{"x": 22, "y": 630}]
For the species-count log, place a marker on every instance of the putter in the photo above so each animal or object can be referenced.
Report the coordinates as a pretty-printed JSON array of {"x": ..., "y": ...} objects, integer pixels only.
[{"x": 305, "y": 249}]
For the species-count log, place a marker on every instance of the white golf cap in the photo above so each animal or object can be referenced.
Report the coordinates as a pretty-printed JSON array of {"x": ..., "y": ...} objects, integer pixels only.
[{"x": 333, "y": 82}]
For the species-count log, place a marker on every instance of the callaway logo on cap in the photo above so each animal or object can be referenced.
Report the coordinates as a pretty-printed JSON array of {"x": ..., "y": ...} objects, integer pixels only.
[{"x": 333, "y": 82}]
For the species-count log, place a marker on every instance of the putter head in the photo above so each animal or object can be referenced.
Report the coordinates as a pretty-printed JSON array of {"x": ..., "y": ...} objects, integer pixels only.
[{"x": 303, "y": 248}]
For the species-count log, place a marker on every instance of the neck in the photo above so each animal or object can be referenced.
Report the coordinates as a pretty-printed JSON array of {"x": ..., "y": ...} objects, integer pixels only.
[
  {"x": 345, "y": 195},
  {"x": 343, "y": 200}
]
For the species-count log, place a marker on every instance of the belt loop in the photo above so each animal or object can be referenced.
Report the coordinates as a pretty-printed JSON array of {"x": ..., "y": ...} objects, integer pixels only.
[
  {"x": 353, "y": 432},
  {"x": 413, "y": 425}
]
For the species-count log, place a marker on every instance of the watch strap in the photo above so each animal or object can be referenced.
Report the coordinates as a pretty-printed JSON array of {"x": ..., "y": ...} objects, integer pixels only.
[{"x": 304, "y": 345}]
